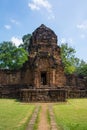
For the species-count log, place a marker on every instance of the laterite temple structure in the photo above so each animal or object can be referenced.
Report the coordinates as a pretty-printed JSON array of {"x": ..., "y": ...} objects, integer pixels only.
[{"x": 42, "y": 77}]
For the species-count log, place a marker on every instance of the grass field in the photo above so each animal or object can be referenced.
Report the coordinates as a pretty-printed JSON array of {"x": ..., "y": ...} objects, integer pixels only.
[
  {"x": 14, "y": 115},
  {"x": 71, "y": 115}
]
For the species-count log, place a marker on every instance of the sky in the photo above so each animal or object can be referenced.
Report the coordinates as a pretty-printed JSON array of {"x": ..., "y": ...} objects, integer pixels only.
[{"x": 67, "y": 18}]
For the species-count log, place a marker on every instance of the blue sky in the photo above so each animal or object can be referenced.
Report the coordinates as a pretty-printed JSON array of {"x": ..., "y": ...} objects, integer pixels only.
[{"x": 68, "y": 18}]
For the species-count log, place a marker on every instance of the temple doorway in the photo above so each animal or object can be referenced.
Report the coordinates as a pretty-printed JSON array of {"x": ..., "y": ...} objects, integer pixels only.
[{"x": 44, "y": 78}]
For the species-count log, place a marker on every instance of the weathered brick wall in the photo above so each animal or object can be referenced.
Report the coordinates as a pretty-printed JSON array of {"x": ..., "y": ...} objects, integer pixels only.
[
  {"x": 27, "y": 77},
  {"x": 76, "y": 82},
  {"x": 77, "y": 93},
  {"x": 76, "y": 86},
  {"x": 60, "y": 77},
  {"x": 9, "y": 77},
  {"x": 45, "y": 95}
]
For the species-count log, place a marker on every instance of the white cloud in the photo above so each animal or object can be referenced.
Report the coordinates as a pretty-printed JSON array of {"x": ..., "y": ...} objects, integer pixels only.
[
  {"x": 7, "y": 27},
  {"x": 16, "y": 41},
  {"x": 14, "y": 21},
  {"x": 39, "y": 4},
  {"x": 82, "y": 26},
  {"x": 33, "y": 6}
]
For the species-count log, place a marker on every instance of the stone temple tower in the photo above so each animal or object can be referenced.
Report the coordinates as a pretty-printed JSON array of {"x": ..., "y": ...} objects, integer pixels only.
[{"x": 45, "y": 65}]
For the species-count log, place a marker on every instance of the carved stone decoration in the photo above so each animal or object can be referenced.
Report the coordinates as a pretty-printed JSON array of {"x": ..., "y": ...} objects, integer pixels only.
[{"x": 44, "y": 35}]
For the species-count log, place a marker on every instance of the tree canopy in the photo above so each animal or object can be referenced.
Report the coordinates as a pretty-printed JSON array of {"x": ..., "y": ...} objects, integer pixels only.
[
  {"x": 81, "y": 70},
  {"x": 68, "y": 58},
  {"x": 72, "y": 64},
  {"x": 11, "y": 57},
  {"x": 26, "y": 41}
]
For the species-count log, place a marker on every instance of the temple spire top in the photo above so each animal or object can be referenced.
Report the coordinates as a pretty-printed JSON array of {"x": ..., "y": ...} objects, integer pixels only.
[
  {"x": 42, "y": 26},
  {"x": 44, "y": 35}
]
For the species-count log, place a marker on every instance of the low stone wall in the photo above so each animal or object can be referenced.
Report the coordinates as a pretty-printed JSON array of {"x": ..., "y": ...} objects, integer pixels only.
[
  {"x": 46, "y": 95},
  {"x": 26, "y": 93},
  {"x": 9, "y": 91},
  {"x": 76, "y": 93},
  {"x": 75, "y": 81}
]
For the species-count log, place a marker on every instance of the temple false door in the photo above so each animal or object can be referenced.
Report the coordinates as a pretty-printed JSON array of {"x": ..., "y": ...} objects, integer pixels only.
[
  {"x": 52, "y": 77},
  {"x": 36, "y": 79}
]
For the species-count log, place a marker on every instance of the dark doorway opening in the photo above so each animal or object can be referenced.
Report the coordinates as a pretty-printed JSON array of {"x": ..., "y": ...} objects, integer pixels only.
[{"x": 43, "y": 78}]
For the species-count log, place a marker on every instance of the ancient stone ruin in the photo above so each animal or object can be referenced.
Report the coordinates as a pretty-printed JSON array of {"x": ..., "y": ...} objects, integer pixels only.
[{"x": 42, "y": 77}]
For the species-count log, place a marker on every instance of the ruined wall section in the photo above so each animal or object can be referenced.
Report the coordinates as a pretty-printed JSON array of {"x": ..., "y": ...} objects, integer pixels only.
[
  {"x": 27, "y": 77},
  {"x": 10, "y": 77},
  {"x": 75, "y": 82},
  {"x": 60, "y": 77}
]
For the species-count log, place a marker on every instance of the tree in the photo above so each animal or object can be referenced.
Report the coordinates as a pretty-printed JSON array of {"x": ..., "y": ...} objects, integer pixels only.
[
  {"x": 71, "y": 63},
  {"x": 26, "y": 41},
  {"x": 68, "y": 58},
  {"x": 11, "y": 57},
  {"x": 81, "y": 69}
]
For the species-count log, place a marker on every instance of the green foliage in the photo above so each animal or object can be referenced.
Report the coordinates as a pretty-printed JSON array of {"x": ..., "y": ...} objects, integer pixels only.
[
  {"x": 11, "y": 57},
  {"x": 26, "y": 41},
  {"x": 81, "y": 70},
  {"x": 71, "y": 63},
  {"x": 68, "y": 58}
]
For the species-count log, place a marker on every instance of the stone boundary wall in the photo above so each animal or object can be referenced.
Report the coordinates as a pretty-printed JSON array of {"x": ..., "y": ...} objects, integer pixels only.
[
  {"x": 43, "y": 95},
  {"x": 10, "y": 91},
  {"x": 75, "y": 82},
  {"x": 27, "y": 94},
  {"x": 76, "y": 93}
]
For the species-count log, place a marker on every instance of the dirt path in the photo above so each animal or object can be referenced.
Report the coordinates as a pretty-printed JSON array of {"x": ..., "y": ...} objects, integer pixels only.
[{"x": 43, "y": 123}]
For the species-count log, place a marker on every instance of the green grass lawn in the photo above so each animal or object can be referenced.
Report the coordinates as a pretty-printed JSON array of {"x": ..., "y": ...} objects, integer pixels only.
[
  {"x": 71, "y": 115},
  {"x": 14, "y": 115}
]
